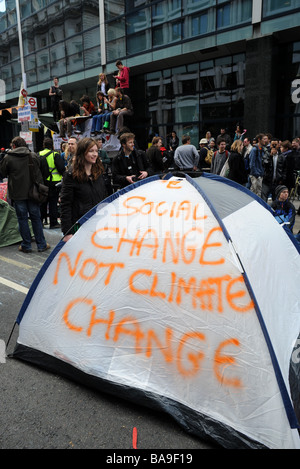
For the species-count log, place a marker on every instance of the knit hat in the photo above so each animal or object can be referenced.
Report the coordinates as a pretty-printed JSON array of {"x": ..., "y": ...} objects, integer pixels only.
[{"x": 278, "y": 190}]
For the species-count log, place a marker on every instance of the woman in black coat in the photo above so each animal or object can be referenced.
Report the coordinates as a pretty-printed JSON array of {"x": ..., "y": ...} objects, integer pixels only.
[
  {"x": 83, "y": 185},
  {"x": 237, "y": 170}
]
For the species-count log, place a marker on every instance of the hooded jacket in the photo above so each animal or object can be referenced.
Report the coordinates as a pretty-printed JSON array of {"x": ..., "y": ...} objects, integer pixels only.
[
  {"x": 284, "y": 211},
  {"x": 123, "y": 77},
  {"x": 15, "y": 166}
]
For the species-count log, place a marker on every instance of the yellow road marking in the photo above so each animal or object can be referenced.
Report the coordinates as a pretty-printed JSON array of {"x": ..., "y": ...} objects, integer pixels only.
[{"x": 14, "y": 285}]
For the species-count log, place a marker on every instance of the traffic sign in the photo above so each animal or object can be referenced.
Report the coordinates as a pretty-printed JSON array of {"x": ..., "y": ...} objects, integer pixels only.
[{"x": 32, "y": 102}]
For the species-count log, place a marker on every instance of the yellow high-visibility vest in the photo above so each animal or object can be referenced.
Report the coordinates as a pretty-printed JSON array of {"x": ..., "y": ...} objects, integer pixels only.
[{"x": 56, "y": 177}]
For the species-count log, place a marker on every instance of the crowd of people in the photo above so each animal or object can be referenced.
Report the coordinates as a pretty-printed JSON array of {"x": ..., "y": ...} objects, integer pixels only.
[
  {"x": 112, "y": 105},
  {"x": 82, "y": 174}
]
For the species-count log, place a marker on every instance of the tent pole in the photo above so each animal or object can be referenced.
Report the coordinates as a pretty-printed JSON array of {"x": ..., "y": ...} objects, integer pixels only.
[{"x": 11, "y": 333}]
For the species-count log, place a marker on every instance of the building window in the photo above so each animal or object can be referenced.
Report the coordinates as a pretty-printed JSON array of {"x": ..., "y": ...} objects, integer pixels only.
[
  {"x": 271, "y": 7},
  {"x": 113, "y": 8},
  {"x": 192, "y": 6},
  {"x": 198, "y": 97},
  {"x": 115, "y": 29},
  {"x": 167, "y": 33},
  {"x": 223, "y": 16},
  {"x": 38, "y": 4},
  {"x": 115, "y": 49},
  {"x": 133, "y": 4},
  {"x": 199, "y": 25},
  {"x": 138, "y": 42},
  {"x": 165, "y": 11},
  {"x": 25, "y": 8},
  {"x": 234, "y": 13}
]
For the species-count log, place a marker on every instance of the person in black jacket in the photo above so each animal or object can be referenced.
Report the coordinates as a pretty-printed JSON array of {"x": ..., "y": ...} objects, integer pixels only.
[
  {"x": 68, "y": 112},
  {"x": 123, "y": 108},
  {"x": 274, "y": 165},
  {"x": 237, "y": 170},
  {"x": 130, "y": 165},
  {"x": 15, "y": 166},
  {"x": 55, "y": 93},
  {"x": 158, "y": 159},
  {"x": 52, "y": 169},
  {"x": 83, "y": 186}
]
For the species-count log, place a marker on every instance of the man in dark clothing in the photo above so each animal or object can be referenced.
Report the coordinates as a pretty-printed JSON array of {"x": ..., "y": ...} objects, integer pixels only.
[
  {"x": 286, "y": 151},
  {"x": 130, "y": 165},
  {"x": 15, "y": 166},
  {"x": 296, "y": 153},
  {"x": 274, "y": 170},
  {"x": 158, "y": 159},
  {"x": 52, "y": 169},
  {"x": 56, "y": 94},
  {"x": 224, "y": 136},
  {"x": 68, "y": 113},
  {"x": 123, "y": 108}
]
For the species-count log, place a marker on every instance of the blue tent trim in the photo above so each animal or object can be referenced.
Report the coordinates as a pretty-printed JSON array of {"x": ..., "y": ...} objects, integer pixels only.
[
  {"x": 284, "y": 393},
  {"x": 37, "y": 280}
]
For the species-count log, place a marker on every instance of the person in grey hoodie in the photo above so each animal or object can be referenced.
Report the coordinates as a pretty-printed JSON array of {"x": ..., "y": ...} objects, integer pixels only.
[
  {"x": 186, "y": 155},
  {"x": 15, "y": 166}
]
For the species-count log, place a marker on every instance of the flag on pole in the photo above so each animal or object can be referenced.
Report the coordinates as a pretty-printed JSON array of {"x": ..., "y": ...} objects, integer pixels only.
[{"x": 22, "y": 96}]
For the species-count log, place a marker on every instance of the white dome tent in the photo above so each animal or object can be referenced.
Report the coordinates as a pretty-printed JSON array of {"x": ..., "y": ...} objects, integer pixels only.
[{"x": 172, "y": 292}]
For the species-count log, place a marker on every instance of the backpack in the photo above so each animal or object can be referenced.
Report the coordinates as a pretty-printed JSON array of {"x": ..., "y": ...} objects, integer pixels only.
[
  {"x": 209, "y": 156},
  {"x": 44, "y": 165},
  {"x": 59, "y": 164}
]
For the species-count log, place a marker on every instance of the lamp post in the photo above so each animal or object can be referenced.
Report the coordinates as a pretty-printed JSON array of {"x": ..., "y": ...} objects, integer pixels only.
[{"x": 21, "y": 44}]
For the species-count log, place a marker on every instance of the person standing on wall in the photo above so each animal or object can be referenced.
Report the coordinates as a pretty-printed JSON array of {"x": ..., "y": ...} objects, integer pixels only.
[
  {"x": 123, "y": 108},
  {"x": 55, "y": 92},
  {"x": 122, "y": 79}
]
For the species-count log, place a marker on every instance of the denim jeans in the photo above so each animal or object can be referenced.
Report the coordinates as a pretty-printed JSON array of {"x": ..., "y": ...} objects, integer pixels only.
[
  {"x": 98, "y": 121},
  {"x": 23, "y": 208}
]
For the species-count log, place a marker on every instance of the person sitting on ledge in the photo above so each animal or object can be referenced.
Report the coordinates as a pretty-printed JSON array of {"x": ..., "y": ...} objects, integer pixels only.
[
  {"x": 99, "y": 118},
  {"x": 123, "y": 108}
]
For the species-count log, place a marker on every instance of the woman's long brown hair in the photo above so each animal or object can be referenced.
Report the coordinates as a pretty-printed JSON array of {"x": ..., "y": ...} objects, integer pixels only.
[{"x": 78, "y": 172}]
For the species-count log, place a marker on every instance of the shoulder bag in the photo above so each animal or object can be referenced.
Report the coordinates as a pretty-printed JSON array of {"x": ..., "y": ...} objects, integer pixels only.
[{"x": 37, "y": 192}]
